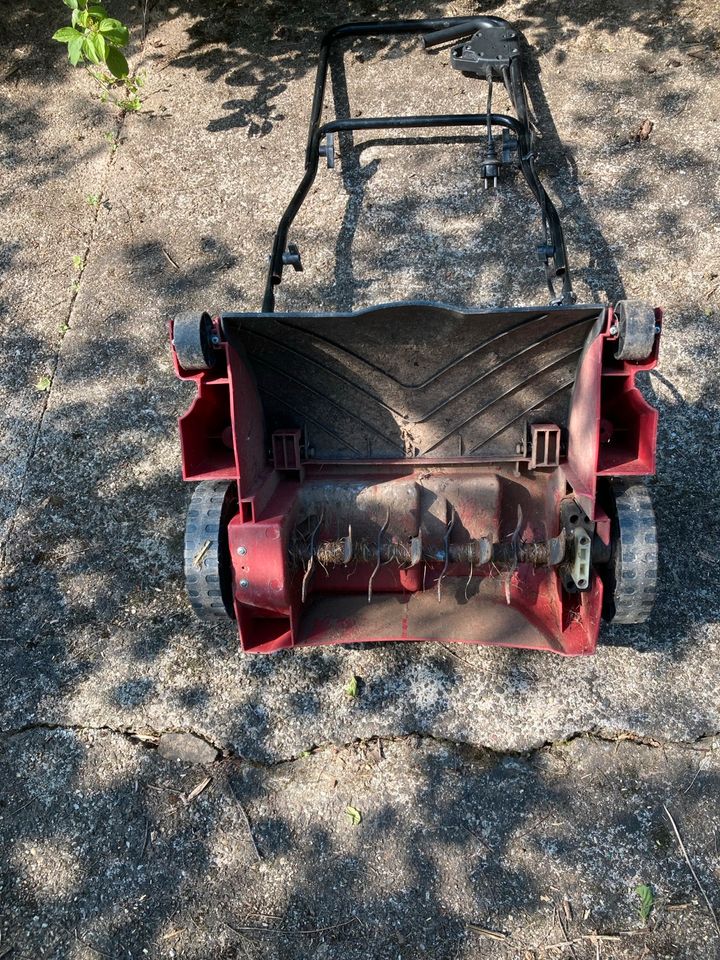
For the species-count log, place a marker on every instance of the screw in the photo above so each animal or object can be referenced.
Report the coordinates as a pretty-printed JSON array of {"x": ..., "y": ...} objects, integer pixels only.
[
  {"x": 657, "y": 328},
  {"x": 242, "y": 551},
  {"x": 613, "y": 331},
  {"x": 244, "y": 583}
]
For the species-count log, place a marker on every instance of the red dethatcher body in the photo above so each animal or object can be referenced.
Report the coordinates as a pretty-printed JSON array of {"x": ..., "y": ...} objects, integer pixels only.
[{"x": 610, "y": 433}]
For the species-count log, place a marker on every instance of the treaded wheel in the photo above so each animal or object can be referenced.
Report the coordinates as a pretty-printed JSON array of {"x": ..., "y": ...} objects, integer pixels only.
[
  {"x": 636, "y": 329},
  {"x": 633, "y": 566},
  {"x": 208, "y": 568},
  {"x": 192, "y": 333}
]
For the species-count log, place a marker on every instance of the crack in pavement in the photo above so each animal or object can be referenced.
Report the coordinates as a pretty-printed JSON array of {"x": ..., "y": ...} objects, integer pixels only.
[
  {"x": 65, "y": 326},
  {"x": 150, "y": 738}
]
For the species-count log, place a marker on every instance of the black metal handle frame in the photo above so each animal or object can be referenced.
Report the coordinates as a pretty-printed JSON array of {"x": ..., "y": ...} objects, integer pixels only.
[{"x": 434, "y": 32}]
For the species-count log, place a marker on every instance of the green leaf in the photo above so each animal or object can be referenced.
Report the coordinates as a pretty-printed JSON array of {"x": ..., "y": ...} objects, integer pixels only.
[
  {"x": 132, "y": 105},
  {"x": 98, "y": 12},
  {"x": 44, "y": 383},
  {"x": 115, "y": 31},
  {"x": 94, "y": 48},
  {"x": 351, "y": 688},
  {"x": 647, "y": 900},
  {"x": 116, "y": 62},
  {"x": 354, "y": 814},
  {"x": 100, "y": 46},
  {"x": 82, "y": 18},
  {"x": 88, "y": 48},
  {"x": 73, "y": 4},
  {"x": 75, "y": 50},
  {"x": 65, "y": 34}
]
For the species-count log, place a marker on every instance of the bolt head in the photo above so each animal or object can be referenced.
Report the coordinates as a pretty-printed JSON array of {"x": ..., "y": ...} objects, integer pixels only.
[
  {"x": 244, "y": 583},
  {"x": 613, "y": 331},
  {"x": 242, "y": 551}
]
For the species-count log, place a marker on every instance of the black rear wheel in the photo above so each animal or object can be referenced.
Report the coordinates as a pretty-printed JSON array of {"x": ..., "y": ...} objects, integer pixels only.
[
  {"x": 193, "y": 341},
  {"x": 636, "y": 330},
  {"x": 632, "y": 573},
  {"x": 208, "y": 567}
]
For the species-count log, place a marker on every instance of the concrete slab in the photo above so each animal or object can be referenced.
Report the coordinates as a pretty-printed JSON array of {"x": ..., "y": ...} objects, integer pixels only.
[
  {"x": 97, "y": 632},
  {"x": 100, "y": 631},
  {"x": 53, "y": 161},
  {"x": 458, "y": 853}
]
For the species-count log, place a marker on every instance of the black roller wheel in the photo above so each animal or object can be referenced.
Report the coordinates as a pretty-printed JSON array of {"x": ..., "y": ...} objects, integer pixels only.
[
  {"x": 208, "y": 568},
  {"x": 193, "y": 341},
  {"x": 632, "y": 573},
  {"x": 636, "y": 330}
]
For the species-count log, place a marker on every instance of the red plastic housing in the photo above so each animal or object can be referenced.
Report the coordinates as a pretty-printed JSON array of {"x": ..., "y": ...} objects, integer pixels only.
[{"x": 611, "y": 432}]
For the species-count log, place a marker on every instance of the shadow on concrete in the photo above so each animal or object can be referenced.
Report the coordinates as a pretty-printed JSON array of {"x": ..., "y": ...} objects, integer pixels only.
[{"x": 96, "y": 569}]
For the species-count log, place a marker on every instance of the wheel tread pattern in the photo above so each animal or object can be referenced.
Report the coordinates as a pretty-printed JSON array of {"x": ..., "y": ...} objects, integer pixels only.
[
  {"x": 207, "y": 562},
  {"x": 636, "y": 554},
  {"x": 636, "y": 322},
  {"x": 190, "y": 339}
]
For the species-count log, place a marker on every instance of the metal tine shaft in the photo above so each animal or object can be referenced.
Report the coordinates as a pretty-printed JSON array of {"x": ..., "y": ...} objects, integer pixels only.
[
  {"x": 348, "y": 546},
  {"x": 311, "y": 562},
  {"x": 448, "y": 531},
  {"x": 515, "y": 540},
  {"x": 383, "y": 528}
]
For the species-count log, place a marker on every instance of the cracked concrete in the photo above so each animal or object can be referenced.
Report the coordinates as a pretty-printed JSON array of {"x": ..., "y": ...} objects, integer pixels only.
[
  {"x": 151, "y": 737},
  {"x": 450, "y": 842},
  {"x": 545, "y": 760}
]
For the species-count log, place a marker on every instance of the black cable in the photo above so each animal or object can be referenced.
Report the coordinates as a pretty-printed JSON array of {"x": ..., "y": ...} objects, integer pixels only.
[{"x": 489, "y": 78}]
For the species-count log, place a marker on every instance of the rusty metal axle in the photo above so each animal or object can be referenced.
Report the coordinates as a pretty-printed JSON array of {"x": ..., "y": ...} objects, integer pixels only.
[{"x": 328, "y": 553}]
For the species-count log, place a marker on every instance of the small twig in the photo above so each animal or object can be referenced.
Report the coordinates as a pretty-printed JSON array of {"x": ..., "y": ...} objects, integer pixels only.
[
  {"x": 697, "y": 773},
  {"x": 200, "y": 555},
  {"x": 484, "y": 932},
  {"x": 711, "y": 291},
  {"x": 293, "y": 931},
  {"x": 584, "y": 938},
  {"x": 564, "y": 929},
  {"x": 91, "y": 947},
  {"x": 692, "y": 871},
  {"x": 22, "y": 807},
  {"x": 197, "y": 790},
  {"x": 154, "y": 93},
  {"x": 246, "y": 819},
  {"x": 169, "y": 258},
  {"x": 145, "y": 838}
]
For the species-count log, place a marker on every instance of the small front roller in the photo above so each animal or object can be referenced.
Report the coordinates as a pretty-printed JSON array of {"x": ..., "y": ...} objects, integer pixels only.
[
  {"x": 636, "y": 330},
  {"x": 194, "y": 340},
  {"x": 208, "y": 568},
  {"x": 633, "y": 565}
]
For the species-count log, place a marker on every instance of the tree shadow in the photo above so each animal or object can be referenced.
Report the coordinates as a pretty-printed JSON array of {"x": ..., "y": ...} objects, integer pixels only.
[{"x": 99, "y": 634}]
